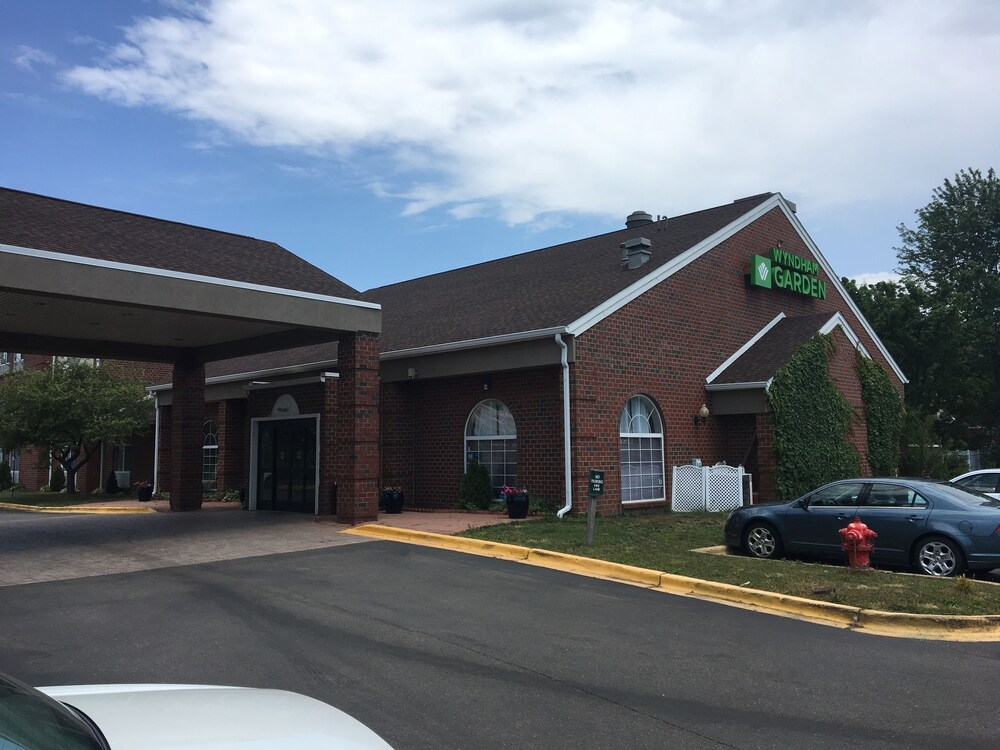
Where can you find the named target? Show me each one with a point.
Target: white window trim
(663, 467)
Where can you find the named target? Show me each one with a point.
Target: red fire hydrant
(857, 543)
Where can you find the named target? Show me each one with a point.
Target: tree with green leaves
(953, 254)
(71, 408)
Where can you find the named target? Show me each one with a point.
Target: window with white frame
(18, 361)
(641, 439)
(4, 363)
(210, 458)
(491, 439)
(121, 457)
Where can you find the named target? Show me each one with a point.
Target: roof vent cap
(637, 219)
(636, 252)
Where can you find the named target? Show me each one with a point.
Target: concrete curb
(902, 625)
(73, 509)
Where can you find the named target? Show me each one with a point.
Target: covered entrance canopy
(78, 280)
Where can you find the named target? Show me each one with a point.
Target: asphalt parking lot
(436, 649)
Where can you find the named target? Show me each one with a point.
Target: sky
(387, 139)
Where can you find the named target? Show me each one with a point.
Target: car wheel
(762, 540)
(938, 556)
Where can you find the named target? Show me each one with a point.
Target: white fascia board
(506, 338)
(756, 385)
(743, 349)
(82, 261)
(321, 378)
(254, 375)
(621, 299)
(838, 320)
(667, 270)
(835, 280)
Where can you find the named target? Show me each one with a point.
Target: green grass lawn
(58, 499)
(663, 541)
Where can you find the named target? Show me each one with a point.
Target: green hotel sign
(784, 270)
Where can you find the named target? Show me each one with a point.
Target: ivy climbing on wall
(883, 415)
(811, 422)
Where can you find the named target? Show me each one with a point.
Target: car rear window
(965, 495)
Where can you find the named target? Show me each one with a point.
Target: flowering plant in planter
(517, 501)
(143, 490)
(392, 499)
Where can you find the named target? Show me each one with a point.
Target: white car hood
(202, 717)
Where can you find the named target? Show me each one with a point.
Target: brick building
(631, 352)
(627, 338)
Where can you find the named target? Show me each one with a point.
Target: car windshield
(30, 720)
(965, 495)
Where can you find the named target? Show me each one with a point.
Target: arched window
(210, 458)
(491, 439)
(641, 438)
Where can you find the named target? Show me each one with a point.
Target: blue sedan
(938, 528)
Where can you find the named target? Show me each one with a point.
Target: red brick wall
(665, 343)
(430, 464)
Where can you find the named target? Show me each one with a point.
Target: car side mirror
(802, 502)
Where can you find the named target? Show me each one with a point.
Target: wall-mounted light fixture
(411, 372)
(486, 382)
(702, 416)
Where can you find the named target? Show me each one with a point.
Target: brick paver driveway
(42, 547)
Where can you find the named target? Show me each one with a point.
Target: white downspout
(567, 443)
(156, 446)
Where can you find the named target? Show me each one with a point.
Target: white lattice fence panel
(688, 488)
(725, 487)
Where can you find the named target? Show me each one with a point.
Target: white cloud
(529, 108)
(27, 58)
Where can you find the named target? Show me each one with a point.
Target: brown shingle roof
(759, 363)
(42, 223)
(546, 288)
(541, 289)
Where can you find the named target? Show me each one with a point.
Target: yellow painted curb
(444, 541)
(591, 567)
(896, 624)
(74, 509)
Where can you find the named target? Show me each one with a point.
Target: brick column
(186, 436)
(765, 483)
(232, 421)
(357, 428)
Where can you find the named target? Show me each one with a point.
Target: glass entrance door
(286, 465)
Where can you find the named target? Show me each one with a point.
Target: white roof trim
(835, 281)
(742, 350)
(82, 261)
(758, 384)
(321, 378)
(838, 320)
(667, 270)
(506, 338)
(621, 299)
(290, 370)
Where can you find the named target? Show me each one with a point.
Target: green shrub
(475, 491)
(5, 476)
(883, 416)
(58, 479)
(812, 422)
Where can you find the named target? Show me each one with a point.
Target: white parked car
(986, 481)
(171, 717)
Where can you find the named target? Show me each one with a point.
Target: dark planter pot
(392, 502)
(145, 494)
(517, 506)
